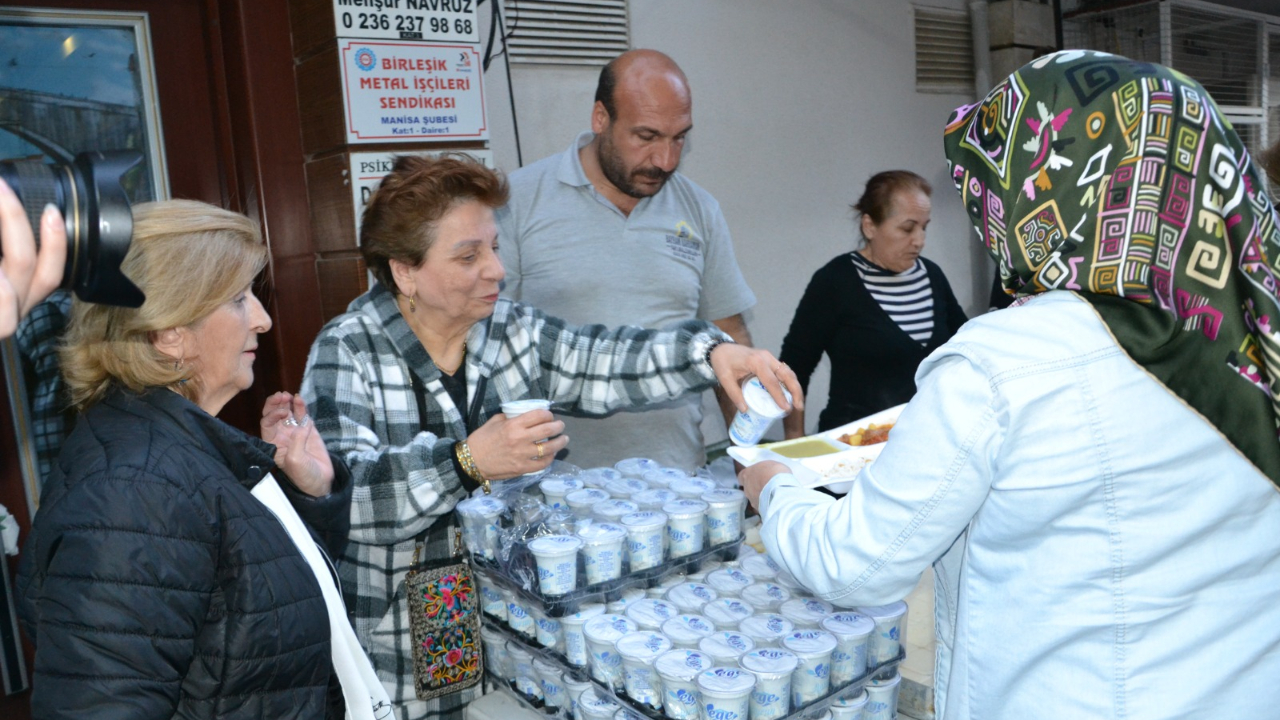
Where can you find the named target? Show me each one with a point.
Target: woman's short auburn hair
(400, 219)
(877, 199)
(188, 258)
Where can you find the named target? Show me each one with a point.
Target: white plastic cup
(594, 707)
(613, 510)
(758, 566)
(890, 621)
(728, 582)
(602, 551)
(748, 427)
(773, 669)
(553, 692)
(686, 631)
(691, 488)
(724, 515)
(597, 477)
(573, 689)
(639, 650)
(516, 408)
(690, 597)
(548, 629)
(727, 612)
(557, 558)
(525, 677)
(555, 488)
(581, 501)
(766, 629)
(659, 591)
(635, 467)
(575, 643)
(624, 488)
(518, 616)
(650, 614)
(679, 670)
(653, 499)
(882, 698)
(725, 647)
(663, 477)
(481, 517)
(602, 632)
(812, 677)
(625, 599)
(849, 708)
(495, 651)
(646, 536)
(805, 613)
(788, 581)
(852, 632)
(686, 526)
(726, 693)
(765, 596)
(492, 602)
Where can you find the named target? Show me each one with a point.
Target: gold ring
(539, 444)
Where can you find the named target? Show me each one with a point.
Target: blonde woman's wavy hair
(189, 258)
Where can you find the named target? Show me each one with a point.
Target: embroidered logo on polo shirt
(684, 244)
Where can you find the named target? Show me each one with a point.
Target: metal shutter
(944, 51)
(566, 32)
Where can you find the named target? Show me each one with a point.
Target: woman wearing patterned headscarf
(1095, 469)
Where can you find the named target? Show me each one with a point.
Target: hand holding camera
(27, 276)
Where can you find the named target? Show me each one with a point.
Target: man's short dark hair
(605, 89)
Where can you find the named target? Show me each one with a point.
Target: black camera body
(92, 200)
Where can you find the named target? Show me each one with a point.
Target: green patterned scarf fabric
(1121, 181)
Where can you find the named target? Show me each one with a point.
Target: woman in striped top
(876, 312)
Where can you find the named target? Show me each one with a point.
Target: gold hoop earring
(413, 306)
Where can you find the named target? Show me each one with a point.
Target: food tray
(808, 711)
(525, 701)
(609, 591)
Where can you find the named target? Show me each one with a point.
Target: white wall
(796, 104)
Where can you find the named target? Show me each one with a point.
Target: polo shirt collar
(571, 172)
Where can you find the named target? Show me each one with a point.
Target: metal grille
(1273, 92)
(1132, 31)
(1219, 50)
(944, 51)
(566, 32)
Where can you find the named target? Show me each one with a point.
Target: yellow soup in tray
(804, 448)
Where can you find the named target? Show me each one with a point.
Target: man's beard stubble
(615, 171)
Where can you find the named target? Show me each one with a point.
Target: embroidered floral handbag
(444, 625)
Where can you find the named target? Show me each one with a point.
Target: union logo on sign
(365, 59)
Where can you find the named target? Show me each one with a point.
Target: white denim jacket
(1111, 556)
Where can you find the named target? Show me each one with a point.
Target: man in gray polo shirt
(608, 232)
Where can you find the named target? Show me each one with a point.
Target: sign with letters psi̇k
(368, 169)
(434, 20)
(396, 92)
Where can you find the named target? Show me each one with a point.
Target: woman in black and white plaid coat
(391, 381)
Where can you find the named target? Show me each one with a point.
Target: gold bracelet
(468, 463)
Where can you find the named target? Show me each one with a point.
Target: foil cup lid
(591, 702)
(602, 533)
(650, 613)
(806, 609)
(682, 664)
(654, 498)
(483, 506)
(644, 520)
(644, 645)
(728, 580)
(884, 612)
(560, 485)
(597, 477)
(810, 643)
(765, 594)
(725, 644)
(625, 487)
(635, 467)
(687, 629)
(691, 594)
(685, 508)
(770, 661)
(554, 545)
(726, 682)
(614, 508)
(848, 624)
(585, 613)
(766, 625)
(759, 567)
(722, 497)
(663, 477)
(586, 496)
(607, 628)
(692, 487)
(726, 612)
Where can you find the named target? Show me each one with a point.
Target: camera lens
(89, 194)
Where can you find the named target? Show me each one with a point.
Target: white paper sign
(437, 20)
(368, 169)
(398, 92)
